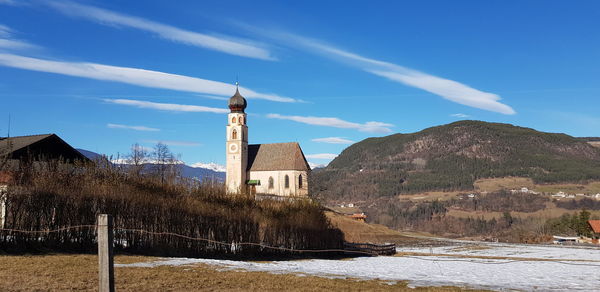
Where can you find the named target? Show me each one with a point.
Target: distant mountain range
(451, 157)
(199, 171)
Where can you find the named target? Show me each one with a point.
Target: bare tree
(166, 163)
(137, 158)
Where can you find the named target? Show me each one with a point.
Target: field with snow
(459, 263)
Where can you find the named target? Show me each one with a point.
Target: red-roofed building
(359, 217)
(595, 225)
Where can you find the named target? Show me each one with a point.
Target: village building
(37, 148)
(30, 149)
(361, 217)
(595, 226)
(278, 169)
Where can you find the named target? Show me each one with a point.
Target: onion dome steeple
(237, 103)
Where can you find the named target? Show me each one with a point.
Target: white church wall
(279, 188)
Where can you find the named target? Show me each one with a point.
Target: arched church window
(300, 181)
(233, 120)
(242, 120)
(271, 182)
(287, 182)
(234, 134)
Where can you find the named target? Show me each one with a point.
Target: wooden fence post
(106, 272)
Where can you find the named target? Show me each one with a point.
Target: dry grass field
(355, 231)
(428, 196)
(551, 211)
(507, 183)
(79, 273)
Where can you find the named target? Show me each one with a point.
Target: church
(277, 169)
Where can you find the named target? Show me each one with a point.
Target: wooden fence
(370, 248)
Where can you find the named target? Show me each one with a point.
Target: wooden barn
(38, 147)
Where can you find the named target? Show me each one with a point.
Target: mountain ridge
(196, 171)
(451, 157)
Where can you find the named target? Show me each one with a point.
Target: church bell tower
(237, 145)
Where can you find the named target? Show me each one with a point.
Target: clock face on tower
(233, 148)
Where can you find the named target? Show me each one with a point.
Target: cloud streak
(106, 17)
(136, 128)
(167, 106)
(134, 76)
(462, 116)
(333, 140)
(445, 88)
(327, 156)
(371, 127)
(9, 2)
(8, 42)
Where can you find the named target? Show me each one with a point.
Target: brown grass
(427, 196)
(507, 183)
(551, 211)
(79, 273)
(355, 231)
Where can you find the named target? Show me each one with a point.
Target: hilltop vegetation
(451, 158)
(54, 196)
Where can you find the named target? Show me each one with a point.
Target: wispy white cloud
(137, 128)
(5, 31)
(213, 97)
(372, 127)
(173, 143)
(327, 156)
(333, 140)
(229, 45)
(459, 115)
(446, 88)
(8, 42)
(167, 106)
(134, 76)
(10, 2)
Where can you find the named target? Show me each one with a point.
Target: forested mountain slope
(451, 157)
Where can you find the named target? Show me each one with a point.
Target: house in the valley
(595, 225)
(361, 217)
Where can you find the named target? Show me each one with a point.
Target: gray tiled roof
(276, 156)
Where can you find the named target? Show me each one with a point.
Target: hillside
(452, 157)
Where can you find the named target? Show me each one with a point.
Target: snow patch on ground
(571, 268)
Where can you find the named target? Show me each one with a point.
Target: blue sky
(104, 75)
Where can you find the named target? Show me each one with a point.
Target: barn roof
(13, 144)
(39, 146)
(276, 156)
(595, 224)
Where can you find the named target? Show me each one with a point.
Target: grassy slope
(79, 272)
(355, 231)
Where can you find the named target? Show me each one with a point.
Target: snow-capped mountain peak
(212, 166)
